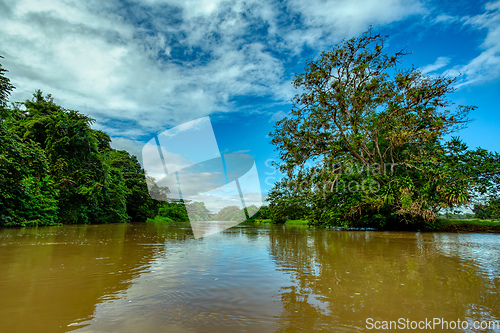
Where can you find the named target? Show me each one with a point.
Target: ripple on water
(158, 278)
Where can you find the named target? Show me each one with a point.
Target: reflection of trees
(54, 276)
(343, 278)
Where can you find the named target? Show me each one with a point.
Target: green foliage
(176, 211)
(363, 146)
(286, 202)
(139, 204)
(27, 196)
(482, 211)
(297, 222)
(467, 225)
(26, 193)
(56, 169)
(89, 188)
(488, 210)
(159, 218)
(263, 213)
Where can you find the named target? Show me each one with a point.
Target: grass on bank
(468, 225)
(289, 222)
(159, 218)
(445, 225)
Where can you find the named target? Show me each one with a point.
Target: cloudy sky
(141, 66)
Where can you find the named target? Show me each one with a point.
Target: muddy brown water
(146, 277)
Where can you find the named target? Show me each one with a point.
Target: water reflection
(222, 283)
(342, 278)
(157, 277)
(52, 277)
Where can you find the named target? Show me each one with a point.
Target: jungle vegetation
(370, 144)
(55, 169)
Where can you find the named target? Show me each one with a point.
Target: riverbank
(289, 222)
(469, 225)
(441, 225)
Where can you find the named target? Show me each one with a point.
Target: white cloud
(439, 63)
(192, 8)
(344, 18)
(444, 18)
(157, 63)
(486, 66)
(277, 116)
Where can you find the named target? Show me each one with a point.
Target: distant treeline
(176, 211)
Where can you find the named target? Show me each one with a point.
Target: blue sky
(141, 66)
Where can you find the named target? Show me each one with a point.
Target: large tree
(376, 129)
(54, 168)
(26, 197)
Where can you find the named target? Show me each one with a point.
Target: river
(154, 277)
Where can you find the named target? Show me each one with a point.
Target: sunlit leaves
(357, 107)
(56, 169)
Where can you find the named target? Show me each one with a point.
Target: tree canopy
(56, 169)
(363, 144)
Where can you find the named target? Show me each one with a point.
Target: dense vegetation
(489, 209)
(364, 144)
(56, 169)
